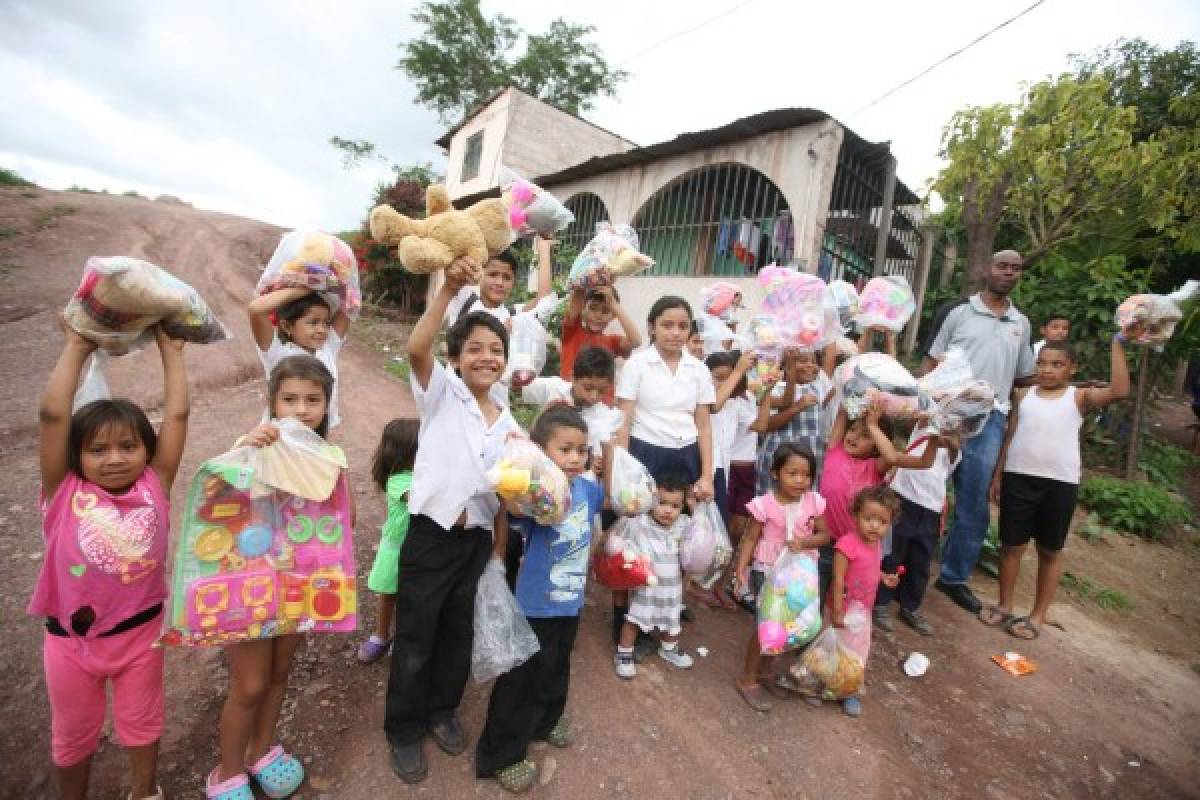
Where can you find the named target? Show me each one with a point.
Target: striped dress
(658, 607)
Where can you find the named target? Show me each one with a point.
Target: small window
(470, 166)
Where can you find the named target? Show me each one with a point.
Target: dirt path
(1114, 711)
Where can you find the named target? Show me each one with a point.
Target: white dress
(659, 606)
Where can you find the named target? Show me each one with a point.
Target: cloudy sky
(230, 104)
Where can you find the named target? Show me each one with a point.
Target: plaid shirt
(804, 428)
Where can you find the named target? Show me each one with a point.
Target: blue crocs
(277, 773)
(236, 788)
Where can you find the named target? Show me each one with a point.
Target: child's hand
(462, 272)
(598, 463)
(166, 342)
(875, 410)
(890, 580)
(72, 340)
(805, 401)
(703, 490)
(262, 436)
(796, 544)
(743, 580)
(747, 361)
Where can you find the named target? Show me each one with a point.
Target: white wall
(493, 121)
(639, 292)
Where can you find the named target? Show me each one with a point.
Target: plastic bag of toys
(864, 378)
(789, 607)
(527, 477)
(531, 209)
(765, 339)
(885, 302)
(720, 299)
(618, 565)
(503, 639)
(1148, 319)
(603, 422)
(612, 253)
(706, 550)
(527, 350)
(265, 545)
(842, 298)
(960, 404)
(308, 259)
(632, 488)
(835, 663)
(797, 302)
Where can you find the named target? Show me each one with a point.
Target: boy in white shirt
(496, 283)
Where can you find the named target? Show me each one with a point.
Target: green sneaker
(560, 735)
(518, 777)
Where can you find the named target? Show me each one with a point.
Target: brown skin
(871, 522)
(665, 512)
(308, 332)
(863, 438)
(1056, 330)
(597, 312)
(799, 368)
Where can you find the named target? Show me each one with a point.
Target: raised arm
(889, 456)
(633, 339)
(574, 306)
(725, 390)
(1118, 384)
(176, 406)
(54, 411)
(260, 308)
(424, 333)
(838, 431)
(545, 272)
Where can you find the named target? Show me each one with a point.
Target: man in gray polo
(995, 337)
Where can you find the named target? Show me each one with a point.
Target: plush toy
(431, 244)
(315, 260)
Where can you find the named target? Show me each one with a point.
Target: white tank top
(1046, 443)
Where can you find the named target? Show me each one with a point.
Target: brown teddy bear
(431, 244)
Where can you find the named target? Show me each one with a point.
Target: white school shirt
(455, 306)
(926, 487)
(734, 418)
(745, 441)
(664, 412)
(602, 421)
(455, 450)
(327, 354)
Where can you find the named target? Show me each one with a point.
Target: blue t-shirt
(554, 570)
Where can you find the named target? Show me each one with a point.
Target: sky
(230, 105)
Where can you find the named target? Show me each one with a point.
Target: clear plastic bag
(1152, 318)
(765, 339)
(121, 298)
(603, 422)
(309, 259)
(632, 489)
(531, 209)
(503, 639)
(618, 564)
(706, 549)
(885, 302)
(834, 665)
(797, 302)
(842, 298)
(526, 476)
(527, 349)
(960, 404)
(720, 299)
(94, 385)
(870, 375)
(714, 332)
(789, 603)
(612, 253)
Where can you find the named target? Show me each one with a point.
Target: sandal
(235, 788)
(518, 777)
(372, 649)
(995, 617)
(560, 734)
(755, 697)
(1022, 624)
(277, 773)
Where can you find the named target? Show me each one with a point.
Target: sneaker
(373, 649)
(676, 657)
(917, 621)
(961, 594)
(882, 618)
(408, 762)
(852, 707)
(625, 667)
(560, 735)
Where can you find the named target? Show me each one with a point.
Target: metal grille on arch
(588, 209)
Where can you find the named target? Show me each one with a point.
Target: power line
(685, 32)
(938, 63)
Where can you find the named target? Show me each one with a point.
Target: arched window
(588, 209)
(727, 219)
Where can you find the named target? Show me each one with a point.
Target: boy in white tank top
(1037, 477)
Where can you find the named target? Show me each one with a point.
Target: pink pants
(77, 672)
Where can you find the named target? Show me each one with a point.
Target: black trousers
(435, 612)
(528, 701)
(514, 551)
(914, 538)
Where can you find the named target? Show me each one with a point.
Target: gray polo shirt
(997, 347)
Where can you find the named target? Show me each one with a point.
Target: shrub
(11, 178)
(1137, 507)
(1165, 463)
(1085, 589)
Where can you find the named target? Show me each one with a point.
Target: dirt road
(1111, 713)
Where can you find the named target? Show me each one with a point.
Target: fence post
(885, 216)
(921, 280)
(949, 257)
(1139, 405)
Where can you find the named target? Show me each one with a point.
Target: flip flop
(996, 617)
(1022, 623)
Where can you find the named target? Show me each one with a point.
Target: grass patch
(399, 367)
(1136, 507)
(10, 178)
(50, 216)
(1093, 531)
(1086, 590)
(85, 190)
(7, 232)
(132, 193)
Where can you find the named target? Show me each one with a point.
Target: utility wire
(938, 63)
(685, 32)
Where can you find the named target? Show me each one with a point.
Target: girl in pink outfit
(106, 476)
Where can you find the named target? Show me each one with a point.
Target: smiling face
(496, 282)
(873, 521)
(794, 478)
(802, 367)
(481, 362)
(668, 506)
(567, 447)
(597, 313)
(310, 329)
(114, 458)
(1054, 368)
(300, 398)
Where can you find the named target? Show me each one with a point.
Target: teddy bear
(431, 244)
(322, 262)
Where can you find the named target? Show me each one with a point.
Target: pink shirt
(103, 550)
(841, 478)
(862, 573)
(773, 516)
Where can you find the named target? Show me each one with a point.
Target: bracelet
(1120, 337)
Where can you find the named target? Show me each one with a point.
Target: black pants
(514, 551)
(528, 700)
(435, 612)
(825, 571)
(914, 538)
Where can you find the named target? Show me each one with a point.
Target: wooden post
(1135, 426)
(924, 262)
(885, 216)
(949, 256)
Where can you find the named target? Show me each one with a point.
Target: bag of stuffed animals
(706, 550)
(531, 209)
(797, 302)
(619, 565)
(527, 477)
(503, 639)
(265, 545)
(527, 349)
(885, 302)
(720, 299)
(842, 298)
(960, 403)
(632, 490)
(612, 253)
(1148, 319)
(766, 340)
(306, 259)
(789, 607)
(834, 665)
(870, 375)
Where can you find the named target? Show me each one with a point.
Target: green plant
(399, 367)
(1093, 530)
(1137, 507)
(523, 413)
(7, 232)
(989, 553)
(1085, 589)
(50, 216)
(132, 193)
(10, 178)
(74, 187)
(1165, 463)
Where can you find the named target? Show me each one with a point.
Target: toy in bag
(1148, 319)
(764, 338)
(714, 332)
(870, 375)
(834, 665)
(526, 476)
(503, 639)
(842, 298)
(797, 302)
(720, 299)
(308, 259)
(531, 209)
(265, 546)
(618, 564)
(789, 608)
(885, 302)
(706, 550)
(960, 403)
(527, 349)
(603, 422)
(612, 253)
(632, 488)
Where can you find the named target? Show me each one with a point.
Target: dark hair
(507, 256)
(1064, 348)
(787, 450)
(397, 450)
(456, 337)
(553, 418)
(727, 358)
(290, 312)
(886, 426)
(99, 414)
(1051, 317)
(594, 362)
(672, 480)
(596, 294)
(694, 329)
(883, 495)
(664, 304)
(307, 368)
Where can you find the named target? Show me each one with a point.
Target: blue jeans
(971, 482)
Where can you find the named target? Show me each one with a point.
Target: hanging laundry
(781, 238)
(725, 237)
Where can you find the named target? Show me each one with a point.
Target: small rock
(549, 765)
(1014, 718)
(702, 652)
(319, 783)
